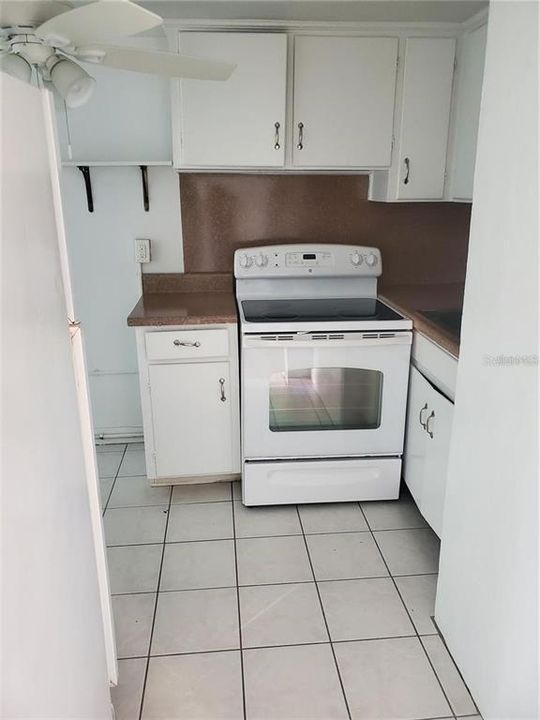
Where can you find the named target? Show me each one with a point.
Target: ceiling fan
(47, 34)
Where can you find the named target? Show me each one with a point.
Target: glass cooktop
(320, 309)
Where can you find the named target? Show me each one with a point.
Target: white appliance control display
(309, 258)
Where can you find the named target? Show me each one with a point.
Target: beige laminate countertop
(190, 299)
(411, 299)
(208, 298)
(183, 309)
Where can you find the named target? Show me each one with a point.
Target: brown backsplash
(420, 242)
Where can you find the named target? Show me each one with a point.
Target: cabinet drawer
(186, 344)
(435, 363)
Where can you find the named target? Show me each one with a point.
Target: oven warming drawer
(321, 481)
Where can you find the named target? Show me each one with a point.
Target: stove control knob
(245, 261)
(356, 258)
(372, 260)
(261, 260)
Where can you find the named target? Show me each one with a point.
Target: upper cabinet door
(344, 91)
(425, 117)
(239, 122)
(127, 119)
(470, 79)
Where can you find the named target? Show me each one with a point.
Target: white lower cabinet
(427, 444)
(190, 400)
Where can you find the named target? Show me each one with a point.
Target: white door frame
(83, 397)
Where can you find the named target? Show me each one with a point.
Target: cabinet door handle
(428, 429)
(276, 136)
(300, 144)
(222, 389)
(407, 171)
(422, 423)
(178, 343)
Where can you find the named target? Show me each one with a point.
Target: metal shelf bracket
(88, 186)
(144, 178)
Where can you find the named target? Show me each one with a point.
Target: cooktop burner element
(318, 309)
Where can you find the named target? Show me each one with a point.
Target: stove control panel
(304, 260)
(308, 259)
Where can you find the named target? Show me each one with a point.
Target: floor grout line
(106, 505)
(409, 616)
(239, 611)
(345, 699)
(270, 647)
(155, 608)
(270, 584)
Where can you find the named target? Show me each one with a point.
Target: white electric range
(324, 375)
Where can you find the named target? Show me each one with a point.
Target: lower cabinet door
(192, 418)
(415, 434)
(438, 433)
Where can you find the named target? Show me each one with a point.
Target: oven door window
(329, 398)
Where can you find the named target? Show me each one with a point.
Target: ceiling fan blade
(156, 62)
(101, 20)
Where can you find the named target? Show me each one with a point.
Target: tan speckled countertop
(410, 299)
(185, 299)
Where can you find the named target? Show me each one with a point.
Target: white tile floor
(281, 613)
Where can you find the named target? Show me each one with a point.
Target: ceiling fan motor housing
(31, 48)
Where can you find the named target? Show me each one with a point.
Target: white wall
(487, 603)
(53, 655)
(106, 278)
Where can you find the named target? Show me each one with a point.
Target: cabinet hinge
(393, 142)
(397, 61)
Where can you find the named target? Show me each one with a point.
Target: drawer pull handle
(422, 423)
(300, 144)
(222, 389)
(408, 169)
(428, 429)
(179, 343)
(276, 136)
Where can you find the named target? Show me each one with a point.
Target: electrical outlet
(142, 250)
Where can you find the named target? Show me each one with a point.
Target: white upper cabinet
(425, 118)
(239, 122)
(344, 90)
(127, 119)
(469, 95)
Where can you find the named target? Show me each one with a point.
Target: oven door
(312, 395)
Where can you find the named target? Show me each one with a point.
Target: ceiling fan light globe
(73, 83)
(16, 66)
